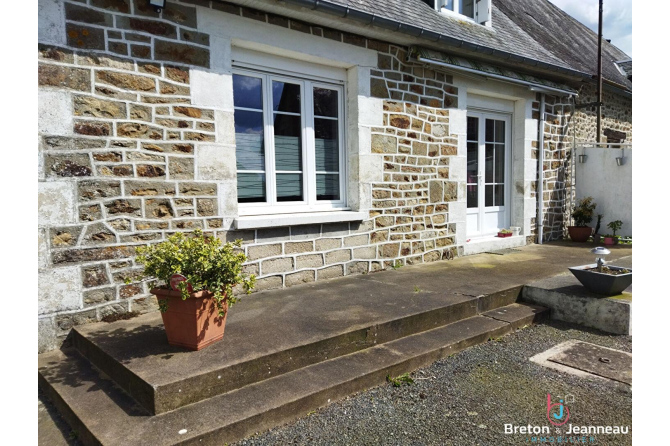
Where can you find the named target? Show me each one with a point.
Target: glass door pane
(473, 162)
(495, 162)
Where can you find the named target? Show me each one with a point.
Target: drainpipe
(540, 175)
(573, 157)
(599, 108)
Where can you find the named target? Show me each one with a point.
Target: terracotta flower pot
(193, 323)
(580, 233)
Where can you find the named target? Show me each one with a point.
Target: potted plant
(600, 279)
(583, 215)
(612, 239)
(201, 272)
(596, 232)
(504, 233)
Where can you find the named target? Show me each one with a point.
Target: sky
(617, 19)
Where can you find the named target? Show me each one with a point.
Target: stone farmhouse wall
(127, 159)
(560, 130)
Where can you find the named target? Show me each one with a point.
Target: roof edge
(414, 31)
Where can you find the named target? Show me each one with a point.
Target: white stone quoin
(56, 203)
(59, 289)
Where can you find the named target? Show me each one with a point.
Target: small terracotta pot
(193, 323)
(609, 240)
(580, 233)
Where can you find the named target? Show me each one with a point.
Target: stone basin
(602, 283)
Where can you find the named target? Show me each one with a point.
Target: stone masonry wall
(118, 138)
(559, 129)
(126, 159)
(617, 114)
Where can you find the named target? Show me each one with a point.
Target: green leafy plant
(417, 289)
(400, 380)
(615, 226)
(206, 262)
(583, 213)
(397, 264)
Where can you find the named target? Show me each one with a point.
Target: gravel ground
(466, 399)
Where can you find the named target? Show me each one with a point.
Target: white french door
(488, 173)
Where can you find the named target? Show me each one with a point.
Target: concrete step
(294, 333)
(102, 413)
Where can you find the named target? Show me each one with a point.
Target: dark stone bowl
(601, 283)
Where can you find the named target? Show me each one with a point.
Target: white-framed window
(477, 10)
(289, 133)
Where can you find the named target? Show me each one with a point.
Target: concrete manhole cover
(585, 359)
(598, 360)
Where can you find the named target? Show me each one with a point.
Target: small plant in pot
(201, 272)
(583, 215)
(612, 239)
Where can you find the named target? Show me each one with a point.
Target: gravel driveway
(467, 399)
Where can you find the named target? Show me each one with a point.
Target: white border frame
(483, 114)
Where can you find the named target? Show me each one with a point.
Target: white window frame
(481, 10)
(309, 204)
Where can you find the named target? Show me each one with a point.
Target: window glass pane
(473, 128)
(326, 145)
(250, 188)
(499, 195)
(285, 97)
(500, 163)
(449, 4)
(468, 8)
(472, 162)
(247, 92)
(488, 166)
(327, 187)
(288, 144)
(473, 199)
(289, 187)
(500, 131)
(249, 140)
(488, 192)
(325, 102)
(490, 134)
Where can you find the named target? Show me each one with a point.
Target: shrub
(583, 213)
(207, 264)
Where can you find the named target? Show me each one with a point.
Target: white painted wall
(610, 185)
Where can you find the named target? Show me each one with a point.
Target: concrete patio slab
(292, 350)
(569, 301)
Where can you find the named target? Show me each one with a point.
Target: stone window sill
(270, 221)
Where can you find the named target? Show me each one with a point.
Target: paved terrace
(271, 330)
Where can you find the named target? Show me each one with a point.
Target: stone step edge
(161, 399)
(280, 412)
